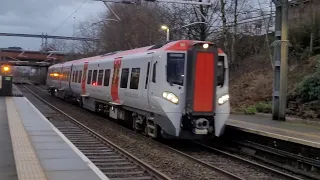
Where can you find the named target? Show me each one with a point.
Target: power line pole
(280, 60)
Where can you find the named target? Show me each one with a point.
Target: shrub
(250, 110)
(264, 107)
(309, 88)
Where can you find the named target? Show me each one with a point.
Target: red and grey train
(175, 90)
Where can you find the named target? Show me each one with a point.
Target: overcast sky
(42, 16)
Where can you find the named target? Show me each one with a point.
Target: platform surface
(7, 163)
(284, 130)
(40, 150)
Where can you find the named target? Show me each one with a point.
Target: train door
(152, 89)
(84, 77)
(115, 80)
(61, 77)
(70, 77)
(147, 81)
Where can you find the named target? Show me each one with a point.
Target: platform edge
(27, 163)
(276, 136)
(94, 168)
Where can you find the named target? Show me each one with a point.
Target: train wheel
(138, 121)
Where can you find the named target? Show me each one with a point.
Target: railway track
(236, 165)
(306, 166)
(112, 160)
(227, 164)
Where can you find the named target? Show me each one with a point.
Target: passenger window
(100, 77)
(147, 78)
(89, 77)
(76, 80)
(154, 72)
(124, 78)
(134, 81)
(106, 77)
(80, 76)
(94, 77)
(220, 71)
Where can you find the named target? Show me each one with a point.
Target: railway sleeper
(106, 157)
(141, 173)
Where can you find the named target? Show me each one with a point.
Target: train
(175, 90)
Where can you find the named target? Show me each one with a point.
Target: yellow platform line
(27, 164)
(277, 134)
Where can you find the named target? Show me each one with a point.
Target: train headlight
(205, 46)
(170, 97)
(223, 99)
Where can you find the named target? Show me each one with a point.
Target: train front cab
(207, 99)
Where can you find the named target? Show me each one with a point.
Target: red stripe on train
(115, 80)
(204, 83)
(84, 78)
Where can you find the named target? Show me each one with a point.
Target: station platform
(33, 149)
(290, 131)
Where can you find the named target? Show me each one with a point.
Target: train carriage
(175, 90)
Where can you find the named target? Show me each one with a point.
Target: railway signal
(5, 69)
(5, 81)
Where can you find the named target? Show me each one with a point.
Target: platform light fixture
(166, 28)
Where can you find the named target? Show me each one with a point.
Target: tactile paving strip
(27, 163)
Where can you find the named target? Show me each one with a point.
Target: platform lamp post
(168, 31)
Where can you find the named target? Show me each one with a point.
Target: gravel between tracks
(159, 157)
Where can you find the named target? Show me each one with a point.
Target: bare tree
(224, 23)
(137, 27)
(267, 24)
(201, 21)
(87, 29)
(312, 25)
(235, 25)
(60, 45)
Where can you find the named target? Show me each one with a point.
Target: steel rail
(214, 168)
(248, 161)
(207, 165)
(134, 159)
